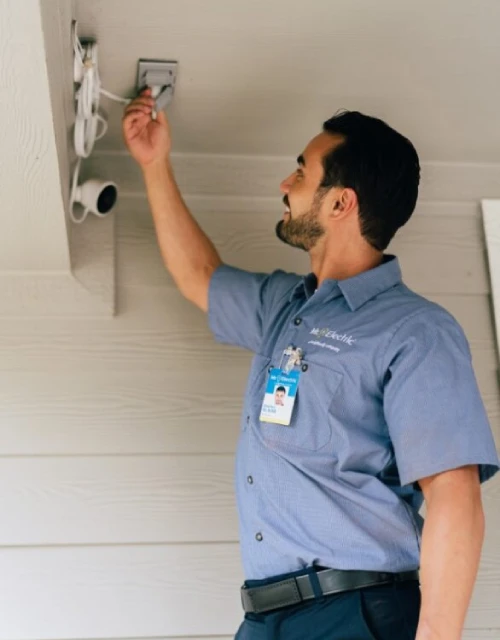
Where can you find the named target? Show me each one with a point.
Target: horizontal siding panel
(237, 175)
(438, 253)
(248, 243)
(468, 634)
(231, 637)
(151, 306)
(180, 410)
(135, 499)
(141, 351)
(184, 411)
(472, 312)
(162, 308)
(108, 350)
(139, 382)
(273, 205)
(145, 591)
(112, 592)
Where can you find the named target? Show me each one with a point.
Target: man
(279, 396)
(386, 412)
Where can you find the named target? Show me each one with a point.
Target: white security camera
(95, 196)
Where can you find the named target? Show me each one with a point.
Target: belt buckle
(247, 600)
(255, 605)
(246, 597)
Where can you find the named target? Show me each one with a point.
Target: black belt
(294, 590)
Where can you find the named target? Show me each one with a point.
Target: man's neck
(344, 264)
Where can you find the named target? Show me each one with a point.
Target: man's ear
(344, 202)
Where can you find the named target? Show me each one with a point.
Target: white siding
(29, 168)
(117, 435)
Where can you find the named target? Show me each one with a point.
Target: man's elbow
(196, 288)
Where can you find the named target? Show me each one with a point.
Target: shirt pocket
(310, 428)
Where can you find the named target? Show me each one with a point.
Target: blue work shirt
(387, 396)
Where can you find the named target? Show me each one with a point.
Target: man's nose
(286, 184)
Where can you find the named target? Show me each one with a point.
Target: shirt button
(258, 537)
(250, 480)
(248, 419)
(297, 321)
(305, 367)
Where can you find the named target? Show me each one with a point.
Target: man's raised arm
(187, 252)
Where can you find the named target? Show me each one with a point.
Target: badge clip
(294, 358)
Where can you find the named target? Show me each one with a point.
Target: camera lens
(107, 199)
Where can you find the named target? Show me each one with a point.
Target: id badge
(279, 399)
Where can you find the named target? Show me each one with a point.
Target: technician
(384, 410)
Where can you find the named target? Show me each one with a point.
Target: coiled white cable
(88, 115)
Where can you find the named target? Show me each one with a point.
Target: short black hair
(280, 389)
(381, 166)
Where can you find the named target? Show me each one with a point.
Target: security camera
(95, 196)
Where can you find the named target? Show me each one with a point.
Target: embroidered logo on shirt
(329, 333)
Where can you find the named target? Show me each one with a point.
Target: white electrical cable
(88, 116)
(74, 187)
(112, 96)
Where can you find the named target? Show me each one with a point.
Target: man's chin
(281, 234)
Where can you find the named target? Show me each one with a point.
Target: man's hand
(148, 140)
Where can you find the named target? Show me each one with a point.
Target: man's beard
(305, 231)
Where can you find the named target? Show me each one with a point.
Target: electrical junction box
(161, 76)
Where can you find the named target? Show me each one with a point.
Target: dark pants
(384, 612)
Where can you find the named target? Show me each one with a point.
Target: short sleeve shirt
(387, 396)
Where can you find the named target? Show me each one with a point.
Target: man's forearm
(187, 252)
(451, 549)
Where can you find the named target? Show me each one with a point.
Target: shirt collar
(358, 289)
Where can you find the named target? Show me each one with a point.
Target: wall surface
(117, 435)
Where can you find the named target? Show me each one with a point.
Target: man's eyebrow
(301, 160)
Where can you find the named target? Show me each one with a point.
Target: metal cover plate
(164, 70)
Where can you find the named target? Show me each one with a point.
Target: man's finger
(139, 109)
(144, 106)
(146, 111)
(145, 100)
(136, 120)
